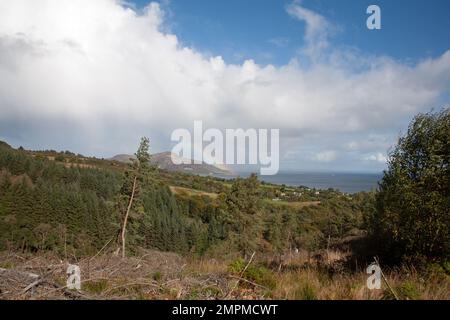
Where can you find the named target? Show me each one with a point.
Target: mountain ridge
(163, 160)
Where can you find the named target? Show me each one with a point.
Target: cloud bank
(94, 76)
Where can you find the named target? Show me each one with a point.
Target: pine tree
(243, 203)
(135, 177)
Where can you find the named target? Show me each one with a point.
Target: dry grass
(158, 275)
(192, 192)
(323, 277)
(150, 275)
(311, 283)
(294, 204)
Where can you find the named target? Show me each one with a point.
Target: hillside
(187, 237)
(164, 161)
(73, 204)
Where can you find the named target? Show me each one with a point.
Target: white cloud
(379, 157)
(317, 28)
(95, 75)
(326, 156)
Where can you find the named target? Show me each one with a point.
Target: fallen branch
(32, 285)
(40, 280)
(101, 249)
(248, 281)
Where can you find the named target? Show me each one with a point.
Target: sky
(93, 76)
(262, 31)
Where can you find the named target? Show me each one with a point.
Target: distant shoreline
(344, 182)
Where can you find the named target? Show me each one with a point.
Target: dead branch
(125, 220)
(386, 281)
(241, 275)
(248, 281)
(32, 285)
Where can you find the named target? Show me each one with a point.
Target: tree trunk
(125, 220)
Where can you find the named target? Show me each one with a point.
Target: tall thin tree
(137, 172)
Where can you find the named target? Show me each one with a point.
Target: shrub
(411, 222)
(254, 273)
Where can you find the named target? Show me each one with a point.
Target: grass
(192, 192)
(6, 265)
(96, 286)
(156, 275)
(294, 204)
(306, 292)
(302, 281)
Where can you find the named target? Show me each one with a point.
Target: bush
(412, 220)
(254, 273)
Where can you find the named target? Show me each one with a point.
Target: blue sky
(263, 31)
(95, 76)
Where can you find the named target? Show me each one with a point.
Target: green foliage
(45, 205)
(257, 274)
(95, 286)
(412, 219)
(409, 291)
(60, 158)
(157, 276)
(406, 290)
(243, 205)
(4, 145)
(237, 266)
(305, 292)
(77, 205)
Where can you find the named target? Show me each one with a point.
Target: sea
(344, 182)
